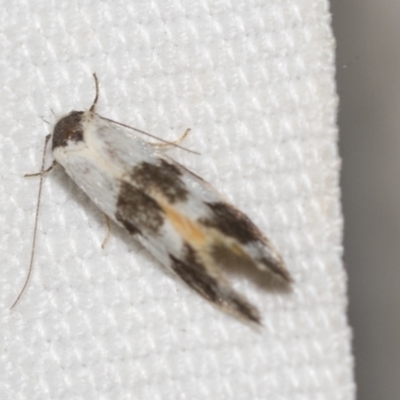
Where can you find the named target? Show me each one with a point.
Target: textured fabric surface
(255, 82)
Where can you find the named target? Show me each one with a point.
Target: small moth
(176, 215)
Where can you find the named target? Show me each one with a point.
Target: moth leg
(175, 142)
(214, 288)
(42, 172)
(105, 241)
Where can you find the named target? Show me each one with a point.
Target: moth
(176, 215)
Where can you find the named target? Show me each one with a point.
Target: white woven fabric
(255, 82)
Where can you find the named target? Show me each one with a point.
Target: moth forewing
(176, 215)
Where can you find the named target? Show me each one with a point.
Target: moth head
(69, 129)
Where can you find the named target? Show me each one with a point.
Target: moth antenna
(42, 172)
(150, 135)
(47, 122)
(96, 83)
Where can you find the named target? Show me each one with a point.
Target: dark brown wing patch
(231, 257)
(137, 211)
(164, 178)
(232, 223)
(277, 267)
(213, 289)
